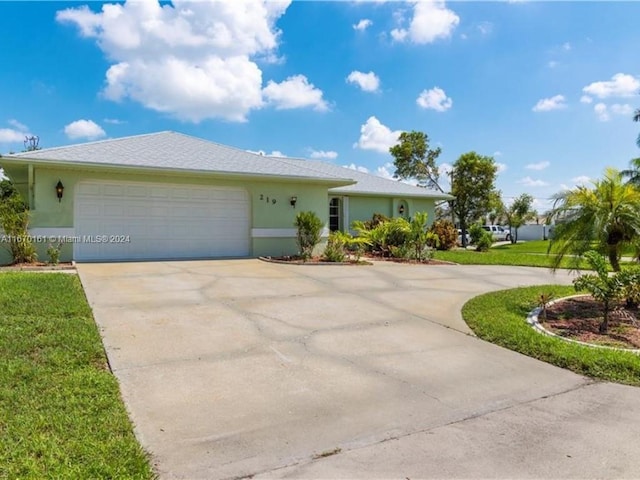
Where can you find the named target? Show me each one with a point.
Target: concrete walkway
(238, 368)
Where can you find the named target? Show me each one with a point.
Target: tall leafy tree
(473, 186)
(606, 216)
(520, 212)
(414, 159)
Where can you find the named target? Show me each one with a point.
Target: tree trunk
(604, 326)
(613, 257)
(463, 232)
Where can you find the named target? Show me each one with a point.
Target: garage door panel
(161, 221)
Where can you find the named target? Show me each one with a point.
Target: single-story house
(168, 196)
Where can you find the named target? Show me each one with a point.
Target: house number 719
(272, 201)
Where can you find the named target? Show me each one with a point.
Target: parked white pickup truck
(500, 234)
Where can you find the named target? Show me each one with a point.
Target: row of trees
(606, 215)
(472, 179)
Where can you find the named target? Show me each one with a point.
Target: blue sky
(547, 88)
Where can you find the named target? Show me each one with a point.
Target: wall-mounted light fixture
(401, 209)
(59, 191)
(293, 201)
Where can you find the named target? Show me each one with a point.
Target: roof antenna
(31, 143)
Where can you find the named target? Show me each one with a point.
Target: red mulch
(579, 318)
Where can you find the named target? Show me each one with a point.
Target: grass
(499, 317)
(61, 415)
(525, 254)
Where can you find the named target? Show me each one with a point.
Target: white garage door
(136, 221)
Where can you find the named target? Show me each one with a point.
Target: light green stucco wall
(48, 212)
(362, 208)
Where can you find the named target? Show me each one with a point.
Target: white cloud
(368, 82)
(330, 154)
(620, 85)
(556, 102)
(530, 182)
(362, 25)
(17, 125)
(485, 28)
(445, 169)
(14, 135)
(294, 92)
(497, 153)
(386, 171)
(376, 136)
(274, 153)
(9, 135)
(501, 167)
(202, 52)
(538, 166)
(602, 112)
(586, 99)
(619, 109)
(434, 99)
(113, 121)
(431, 21)
(84, 129)
(357, 168)
(581, 180)
(566, 46)
(553, 64)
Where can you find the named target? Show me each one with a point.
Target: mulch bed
(578, 318)
(37, 267)
(295, 260)
(410, 261)
(366, 260)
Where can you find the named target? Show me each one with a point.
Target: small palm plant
(603, 288)
(543, 302)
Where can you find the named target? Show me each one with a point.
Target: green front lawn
(530, 246)
(61, 415)
(500, 318)
(526, 254)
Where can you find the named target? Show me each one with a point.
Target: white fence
(533, 232)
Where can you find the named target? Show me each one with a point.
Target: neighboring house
(167, 196)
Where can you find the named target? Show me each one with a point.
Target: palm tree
(605, 217)
(633, 173)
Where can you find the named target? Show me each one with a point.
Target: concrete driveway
(238, 368)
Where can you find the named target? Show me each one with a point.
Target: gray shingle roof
(368, 184)
(176, 151)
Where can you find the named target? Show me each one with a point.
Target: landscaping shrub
(398, 237)
(14, 218)
(475, 233)
(630, 280)
(335, 249)
(309, 231)
(419, 238)
(447, 234)
(392, 233)
(376, 220)
(484, 242)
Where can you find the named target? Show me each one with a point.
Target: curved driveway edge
(234, 368)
